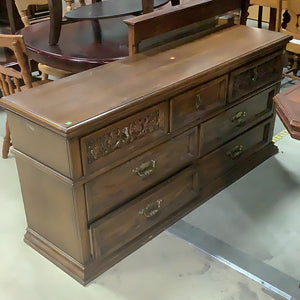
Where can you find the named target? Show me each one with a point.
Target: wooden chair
(22, 7)
(173, 18)
(292, 27)
(275, 12)
(12, 80)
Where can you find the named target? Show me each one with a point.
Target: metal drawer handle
(239, 117)
(145, 169)
(151, 209)
(254, 76)
(236, 151)
(199, 102)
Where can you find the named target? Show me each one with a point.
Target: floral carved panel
(119, 137)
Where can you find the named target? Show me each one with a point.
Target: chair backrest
(277, 4)
(293, 26)
(23, 7)
(173, 18)
(11, 80)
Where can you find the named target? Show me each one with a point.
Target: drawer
(197, 102)
(224, 158)
(120, 140)
(131, 220)
(233, 121)
(256, 75)
(113, 188)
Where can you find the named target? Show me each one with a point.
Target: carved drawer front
(258, 74)
(229, 155)
(232, 122)
(120, 140)
(131, 220)
(113, 188)
(197, 102)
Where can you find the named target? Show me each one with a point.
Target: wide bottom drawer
(230, 154)
(128, 222)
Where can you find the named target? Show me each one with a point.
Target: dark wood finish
(111, 106)
(13, 16)
(249, 78)
(233, 121)
(79, 48)
(143, 213)
(113, 9)
(225, 157)
(162, 21)
(101, 86)
(3, 12)
(121, 138)
(288, 109)
(140, 172)
(197, 102)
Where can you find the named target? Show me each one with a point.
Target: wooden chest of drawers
(110, 157)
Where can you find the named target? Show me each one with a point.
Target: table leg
(259, 18)
(13, 16)
(272, 24)
(55, 11)
(96, 29)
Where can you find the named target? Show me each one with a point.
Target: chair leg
(259, 19)
(6, 142)
(295, 64)
(44, 76)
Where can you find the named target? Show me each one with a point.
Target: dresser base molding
(85, 274)
(55, 255)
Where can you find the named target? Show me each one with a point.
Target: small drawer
(232, 122)
(197, 102)
(110, 190)
(120, 140)
(254, 76)
(224, 158)
(131, 220)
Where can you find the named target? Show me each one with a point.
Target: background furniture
(276, 7)
(115, 8)
(23, 9)
(288, 109)
(3, 12)
(293, 28)
(156, 135)
(12, 80)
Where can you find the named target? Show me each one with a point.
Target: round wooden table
(110, 9)
(81, 46)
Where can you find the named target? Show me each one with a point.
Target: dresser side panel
(51, 207)
(40, 143)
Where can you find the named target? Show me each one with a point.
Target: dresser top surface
(84, 98)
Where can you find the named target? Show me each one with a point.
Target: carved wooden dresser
(110, 157)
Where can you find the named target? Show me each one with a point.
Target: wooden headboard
(172, 18)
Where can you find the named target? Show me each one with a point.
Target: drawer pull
(145, 169)
(199, 102)
(236, 151)
(239, 118)
(151, 209)
(254, 76)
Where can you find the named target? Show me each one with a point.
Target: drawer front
(232, 122)
(229, 155)
(251, 77)
(197, 102)
(119, 140)
(111, 189)
(131, 220)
